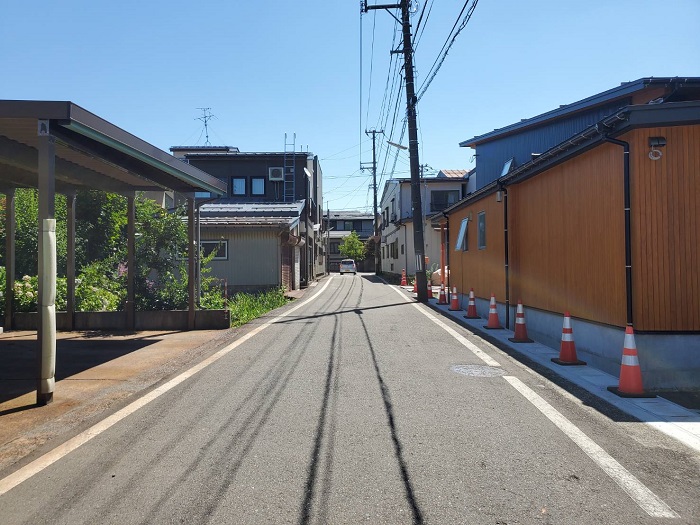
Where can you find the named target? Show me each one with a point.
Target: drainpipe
(504, 192)
(628, 227)
(446, 240)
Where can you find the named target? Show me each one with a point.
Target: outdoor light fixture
(654, 144)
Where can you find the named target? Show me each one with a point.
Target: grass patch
(245, 307)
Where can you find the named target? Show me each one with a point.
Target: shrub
(246, 307)
(100, 288)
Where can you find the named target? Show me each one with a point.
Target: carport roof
(91, 153)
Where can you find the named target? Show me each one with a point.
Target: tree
(352, 247)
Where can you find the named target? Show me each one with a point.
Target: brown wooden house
(604, 224)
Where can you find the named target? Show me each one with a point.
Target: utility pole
(377, 262)
(411, 101)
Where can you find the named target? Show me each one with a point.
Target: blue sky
(317, 69)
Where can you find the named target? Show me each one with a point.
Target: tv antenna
(206, 117)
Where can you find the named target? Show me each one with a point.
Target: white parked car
(348, 266)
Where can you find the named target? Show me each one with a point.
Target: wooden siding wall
(666, 229)
(482, 270)
(254, 257)
(567, 238)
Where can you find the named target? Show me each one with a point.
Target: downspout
(628, 226)
(505, 254)
(446, 240)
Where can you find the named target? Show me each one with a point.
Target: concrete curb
(674, 420)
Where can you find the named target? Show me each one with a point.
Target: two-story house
(593, 208)
(267, 230)
(437, 193)
(338, 225)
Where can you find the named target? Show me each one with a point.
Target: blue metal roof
(621, 92)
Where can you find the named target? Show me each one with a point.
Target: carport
(60, 147)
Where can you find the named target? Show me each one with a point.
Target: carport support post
(130, 261)
(191, 254)
(9, 255)
(46, 333)
(70, 260)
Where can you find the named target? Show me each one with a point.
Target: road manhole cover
(478, 370)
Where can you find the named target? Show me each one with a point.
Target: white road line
(642, 496)
(66, 448)
(478, 352)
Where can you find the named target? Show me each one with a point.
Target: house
(594, 209)
(267, 229)
(437, 193)
(339, 224)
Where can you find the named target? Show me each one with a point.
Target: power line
(446, 47)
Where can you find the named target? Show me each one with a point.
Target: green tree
(27, 232)
(352, 247)
(100, 228)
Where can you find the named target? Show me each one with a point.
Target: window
(402, 249)
(481, 230)
(347, 227)
(441, 199)
(237, 185)
(219, 247)
(335, 247)
(257, 186)
(462, 243)
(507, 166)
(202, 195)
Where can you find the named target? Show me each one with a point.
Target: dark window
(335, 247)
(441, 199)
(481, 229)
(238, 186)
(257, 186)
(219, 247)
(462, 238)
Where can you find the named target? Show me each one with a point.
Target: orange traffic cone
(630, 372)
(429, 286)
(403, 277)
(471, 307)
(454, 302)
(520, 335)
(567, 350)
(493, 315)
(442, 298)
(415, 285)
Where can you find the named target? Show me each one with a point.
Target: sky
(322, 73)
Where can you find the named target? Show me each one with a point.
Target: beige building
(437, 193)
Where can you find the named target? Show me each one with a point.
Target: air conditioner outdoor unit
(275, 174)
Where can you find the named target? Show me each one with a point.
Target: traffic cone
(403, 277)
(415, 285)
(630, 372)
(471, 307)
(567, 350)
(493, 323)
(520, 335)
(442, 298)
(429, 286)
(454, 303)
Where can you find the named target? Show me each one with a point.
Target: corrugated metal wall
(253, 257)
(666, 229)
(492, 155)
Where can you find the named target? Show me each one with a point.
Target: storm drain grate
(478, 370)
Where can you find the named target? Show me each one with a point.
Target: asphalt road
(358, 405)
